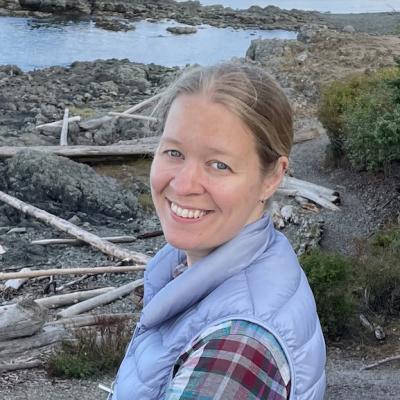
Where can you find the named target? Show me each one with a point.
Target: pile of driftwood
(28, 329)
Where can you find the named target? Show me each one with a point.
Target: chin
(183, 243)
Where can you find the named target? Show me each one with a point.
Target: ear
(274, 178)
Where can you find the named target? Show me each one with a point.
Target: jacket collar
(170, 297)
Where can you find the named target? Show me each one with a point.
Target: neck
(194, 256)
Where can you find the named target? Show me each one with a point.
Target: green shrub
(336, 99)
(388, 241)
(379, 272)
(372, 134)
(330, 279)
(92, 353)
(362, 116)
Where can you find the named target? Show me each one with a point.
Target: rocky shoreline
(88, 89)
(121, 14)
(189, 12)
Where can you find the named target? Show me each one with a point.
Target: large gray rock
(83, 6)
(126, 74)
(58, 184)
(311, 32)
(182, 30)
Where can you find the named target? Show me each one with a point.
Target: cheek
(157, 178)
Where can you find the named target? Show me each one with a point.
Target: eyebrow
(213, 150)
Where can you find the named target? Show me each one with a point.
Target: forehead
(195, 117)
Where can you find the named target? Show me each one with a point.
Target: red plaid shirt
(235, 360)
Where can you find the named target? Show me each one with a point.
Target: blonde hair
(247, 91)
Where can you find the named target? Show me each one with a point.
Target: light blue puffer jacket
(254, 277)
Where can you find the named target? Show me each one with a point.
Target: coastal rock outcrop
(188, 12)
(41, 179)
(88, 89)
(182, 30)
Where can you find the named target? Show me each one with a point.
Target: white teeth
(185, 213)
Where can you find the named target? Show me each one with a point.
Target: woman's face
(206, 178)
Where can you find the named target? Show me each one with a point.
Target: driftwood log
(143, 147)
(48, 336)
(320, 195)
(102, 299)
(21, 319)
(70, 271)
(59, 123)
(143, 104)
(71, 298)
(384, 361)
(80, 321)
(133, 116)
(79, 233)
(111, 239)
(17, 283)
(64, 129)
(20, 364)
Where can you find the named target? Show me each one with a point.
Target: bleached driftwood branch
(66, 226)
(142, 104)
(102, 299)
(71, 271)
(17, 283)
(80, 321)
(142, 147)
(133, 116)
(385, 360)
(111, 239)
(321, 195)
(58, 124)
(71, 298)
(64, 129)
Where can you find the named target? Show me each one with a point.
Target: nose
(188, 179)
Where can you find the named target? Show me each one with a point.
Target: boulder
(311, 32)
(115, 25)
(182, 30)
(60, 186)
(349, 29)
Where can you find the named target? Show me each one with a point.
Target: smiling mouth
(187, 213)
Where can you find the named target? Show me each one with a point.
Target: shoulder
(249, 338)
(237, 359)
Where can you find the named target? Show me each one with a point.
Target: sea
(35, 44)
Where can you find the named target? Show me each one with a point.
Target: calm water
(335, 6)
(38, 44)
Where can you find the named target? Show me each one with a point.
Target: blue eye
(220, 166)
(174, 153)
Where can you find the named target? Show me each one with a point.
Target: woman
(228, 312)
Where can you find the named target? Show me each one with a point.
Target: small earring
(262, 201)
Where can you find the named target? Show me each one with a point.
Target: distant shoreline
(191, 13)
(383, 23)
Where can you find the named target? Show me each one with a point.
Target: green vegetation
(368, 282)
(330, 278)
(92, 353)
(83, 112)
(146, 201)
(380, 272)
(362, 118)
